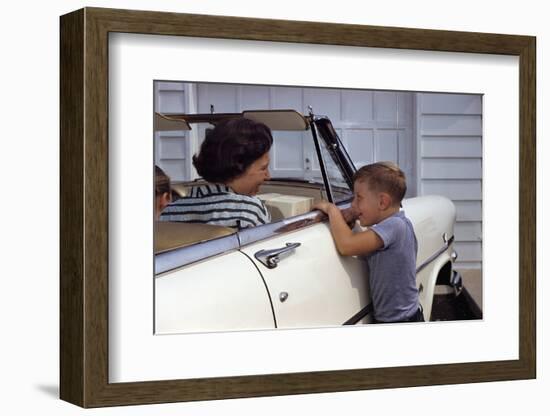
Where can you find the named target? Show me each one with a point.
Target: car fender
(221, 293)
(433, 218)
(426, 280)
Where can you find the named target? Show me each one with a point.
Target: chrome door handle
(270, 258)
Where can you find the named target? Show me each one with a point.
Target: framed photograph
(147, 323)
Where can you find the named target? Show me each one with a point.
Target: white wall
(29, 307)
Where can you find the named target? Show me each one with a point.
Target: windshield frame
(321, 127)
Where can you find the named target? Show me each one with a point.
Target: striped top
(217, 204)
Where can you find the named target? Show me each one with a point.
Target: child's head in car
(163, 191)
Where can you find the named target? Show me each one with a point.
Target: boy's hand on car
(349, 215)
(322, 206)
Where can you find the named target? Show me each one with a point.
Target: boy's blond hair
(384, 177)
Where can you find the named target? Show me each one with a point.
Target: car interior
(283, 199)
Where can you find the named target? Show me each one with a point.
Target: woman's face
(249, 182)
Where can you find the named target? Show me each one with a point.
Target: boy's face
(366, 204)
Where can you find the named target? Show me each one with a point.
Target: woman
(234, 160)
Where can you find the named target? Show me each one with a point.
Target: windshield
(338, 166)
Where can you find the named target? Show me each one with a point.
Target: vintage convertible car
(288, 273)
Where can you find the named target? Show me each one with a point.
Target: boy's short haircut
(384, 177)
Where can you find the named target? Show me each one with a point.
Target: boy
(389, 244)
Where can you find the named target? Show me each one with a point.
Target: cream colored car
(285, 274)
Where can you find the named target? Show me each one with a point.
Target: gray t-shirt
(392, 270)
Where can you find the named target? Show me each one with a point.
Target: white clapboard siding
(457, 190)
(447, 168)
(449, 139)
(455, 146)
(172, 147)
(451, 104)
(468, 231)
(455, 125)
(469, 254)
(468, 210)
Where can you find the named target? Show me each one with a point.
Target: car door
(311, 285)
(209, 286)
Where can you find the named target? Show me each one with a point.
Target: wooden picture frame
(84, 207)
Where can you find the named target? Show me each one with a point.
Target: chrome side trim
(251, 235)
(443, 249)
(180, 257)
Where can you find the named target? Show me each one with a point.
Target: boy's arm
(347, 242)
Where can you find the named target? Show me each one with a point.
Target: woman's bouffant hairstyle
(162, 182)
(230, 148)
(384, 177)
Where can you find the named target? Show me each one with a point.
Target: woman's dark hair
(230, 148)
